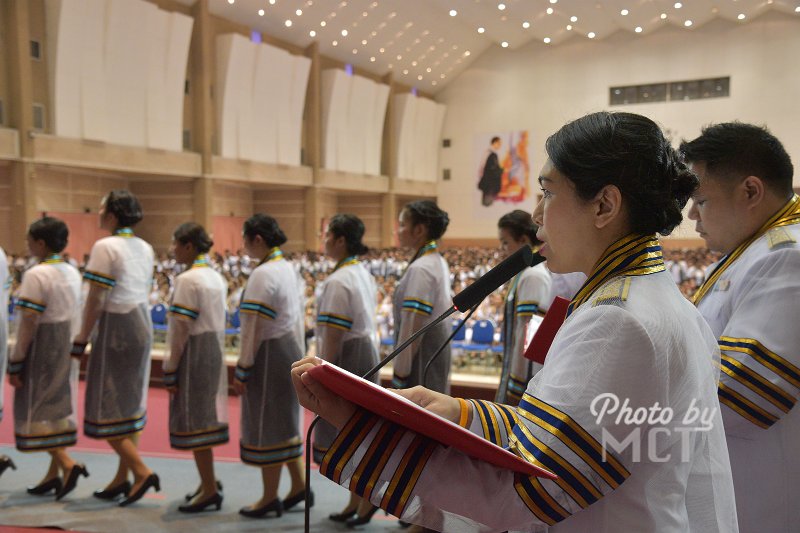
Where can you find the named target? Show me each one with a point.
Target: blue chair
(483, 332)
(158, 314)
(234, 320)
(459, 340)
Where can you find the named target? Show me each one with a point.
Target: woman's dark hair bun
(352, 229)
(265, 226)
(426, 212)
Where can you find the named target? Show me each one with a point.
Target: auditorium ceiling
(426, 43)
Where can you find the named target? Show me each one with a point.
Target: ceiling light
(663, 16)
(405, 71)
(288, 23)
(741, 16)
(260, 12)
(382, 50)
(797, 9)
(569, 27)
(546, 40)
(433, 82)
(501, 6)
(231, 1)
(526, 24)
(323, 23)
(504, 44)
(624, 12)
(590, 35)
(481, 30)
(335, 43)
(687, 23)
(442, 76)
(638, 29)
(344, 33)
(428, 69)
(573, 18)
(272, 2)
(678, 5)
(399, 57)
(453, 12)
(372, 59)
(364, 14)
(419, 77)
(549, 10)
(299, 12)
(466, 54)
(312, 33)
(413, 63)
(553, 1)
(363, 41)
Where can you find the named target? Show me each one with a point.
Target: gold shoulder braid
(634, 255)
(786, 216)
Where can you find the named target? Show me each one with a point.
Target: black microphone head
(515, 263)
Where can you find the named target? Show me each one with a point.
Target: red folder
(407, 414)
(543, 338)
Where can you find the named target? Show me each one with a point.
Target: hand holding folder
(403, 412)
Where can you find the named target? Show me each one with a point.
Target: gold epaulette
(778, 236)
(615, 291)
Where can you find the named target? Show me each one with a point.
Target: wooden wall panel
(5, 207)
(288, 206)
(368, 209)
(166, 204)
(73, 190)
(232, 199)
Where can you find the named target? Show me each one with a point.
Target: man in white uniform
(745, 208)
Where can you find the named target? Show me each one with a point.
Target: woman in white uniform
(194, 372)
(272, 339)
(5, 279)
(422, 294)
(612, 181)
(346, 331)
(43, 374)
(116, 316)
(527, 295)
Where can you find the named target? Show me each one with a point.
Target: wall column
(23, 175)
(201, 81)
(312, 148)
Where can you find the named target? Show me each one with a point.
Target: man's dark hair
(494, 140)
(734, 150)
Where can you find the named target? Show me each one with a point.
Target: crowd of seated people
(687, 266)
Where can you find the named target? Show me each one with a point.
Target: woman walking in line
(271, 340)
(41, 370)
(119, 273)
(195, 372)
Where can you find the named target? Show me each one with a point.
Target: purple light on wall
(255, 36)
(348, 69)
(414, 91)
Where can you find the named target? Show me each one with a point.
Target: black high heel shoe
(190, 497)
(361, 520)
(275, 505)
(109, 494)
(341, 517)
(215, 500)
(151, 481)
(291, 501)
(71, 481)
(46, 486)
(5, 463)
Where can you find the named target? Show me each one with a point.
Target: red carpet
(155, 437)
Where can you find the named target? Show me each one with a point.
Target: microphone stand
(372, 371)
(444, 345)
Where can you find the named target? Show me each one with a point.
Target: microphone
(472, 295)
(490, 281)
(466, 299)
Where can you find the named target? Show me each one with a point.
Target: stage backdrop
(509, 187)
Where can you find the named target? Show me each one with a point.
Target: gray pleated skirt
(270, 410)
